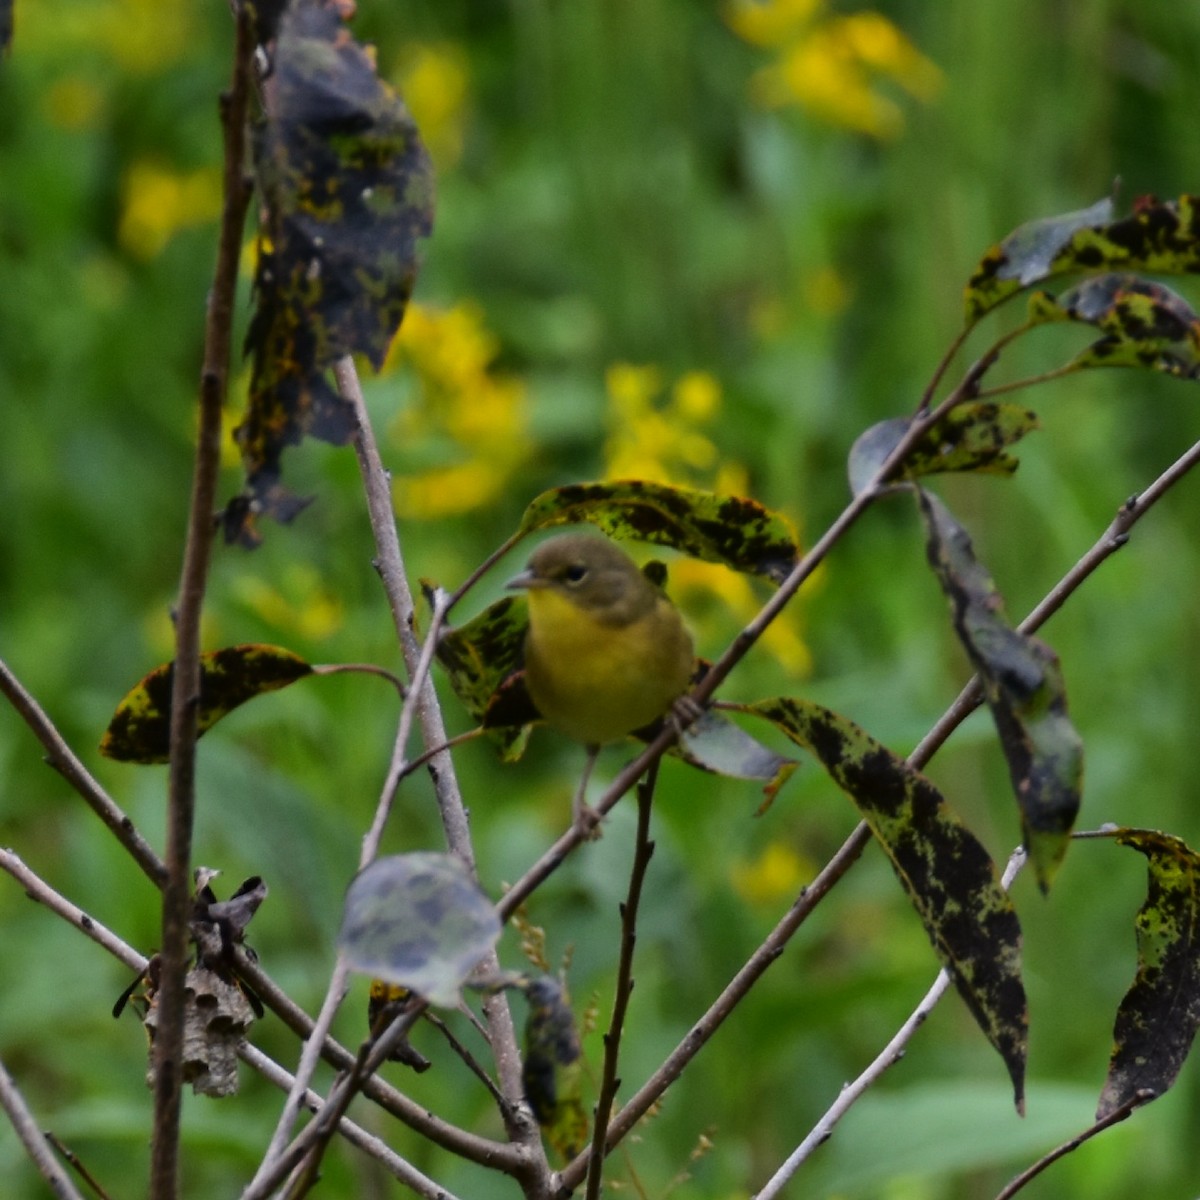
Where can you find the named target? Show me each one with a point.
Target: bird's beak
(523, 582)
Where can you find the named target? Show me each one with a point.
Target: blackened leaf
(947, 873)
(482, 659)
(715, 744)
(347, 193)
(382, 996)
(971, 437)
(733, 530)
(1146, 324)
(420, 921)
(1024, 687)
(6, 24)
(1158, 1017)
(1159, 236)
(553, 1066)
(140, 730)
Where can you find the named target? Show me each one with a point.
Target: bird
(606, 652)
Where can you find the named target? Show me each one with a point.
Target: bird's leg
(584, 818)
(683, 713)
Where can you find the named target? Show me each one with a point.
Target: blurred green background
(707, 244)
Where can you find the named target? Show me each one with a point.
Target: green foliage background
(609, 192)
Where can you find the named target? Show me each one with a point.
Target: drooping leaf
(482, 659)
(419, 921)
(971, 437)
(140, 729)
(1158, 236)
(1158, 1017)
(733, 530)
(1145, 324)
(947, 873)
(552, 1070)
(715, 744)
(347, 193)
(1024, 688)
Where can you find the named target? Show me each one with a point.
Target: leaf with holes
(1145, 324)
(733, 530)
(419, 921)
(1024, 687)
(140, 729)
(947, 873)
(1158, 236)
(971, 437)
(1158, 1017)
(347, 194)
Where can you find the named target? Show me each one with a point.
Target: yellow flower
(433, 81)
(777, 874)
(470, 419)
(829, 64)
(157, 202)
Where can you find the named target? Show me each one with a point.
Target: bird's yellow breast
(597, 681)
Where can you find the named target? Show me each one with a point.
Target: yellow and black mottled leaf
(1145, 324)
(971, 437)
(483, 660)
(733, 530)
(347, 193)
(1023, 684)
(1158, 1017)
(947, 873)
(1158, 236)
(140, 729)
(420, 921)
(552, 1070)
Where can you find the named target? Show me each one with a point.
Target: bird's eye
(575, 573)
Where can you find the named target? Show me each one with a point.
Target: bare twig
(76, 1164)
(642, 853)
(1143, 1096)
(64, 760)
(31, 1137)
(887, 1058)
(164, 1164)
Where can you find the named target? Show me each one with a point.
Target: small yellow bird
(606, 652)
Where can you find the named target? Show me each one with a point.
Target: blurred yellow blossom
(74, 103)
(664, 434)
(777, 874)
(156, 202)
(142, 37)
(830, 64)
(461, 409)
(432, 78)
(299, 604)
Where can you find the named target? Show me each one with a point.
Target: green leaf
(1159, 236)
(947, 873)
(482, 660)
(715, 744)
(347, 193)
(552, 1071)
(971, 437)
(140, 729)
(1158, 1017)
(419, 921)
(733, 530)
(1024, 688)
(1146, 324)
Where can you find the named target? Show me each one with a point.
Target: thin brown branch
(64, 760)
(27, 1130)
(76, 1164)
(1144, 1096)
(390, 564)
(164, 1164)
(609, 1082)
